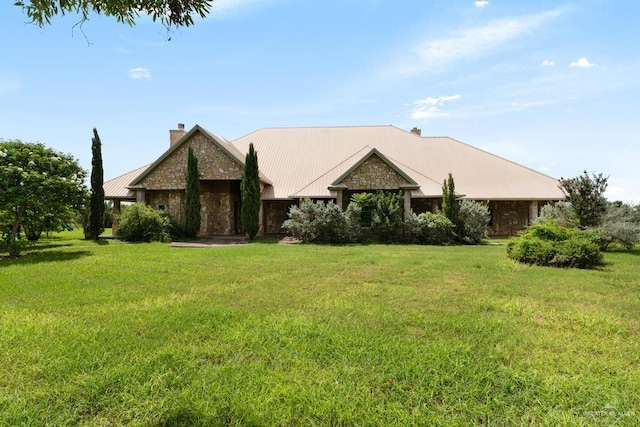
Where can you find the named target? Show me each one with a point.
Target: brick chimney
(176, 134)
(416, 131)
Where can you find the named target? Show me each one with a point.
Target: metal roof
(303, 162)
(116, 188)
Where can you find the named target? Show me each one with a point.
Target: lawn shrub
(429, 228)
(142, 223)
(386, 217)
(620, 225)
(560, 212)
(474, 218)
(549, 244)
(317, 221)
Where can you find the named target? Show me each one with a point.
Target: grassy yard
(268, 334)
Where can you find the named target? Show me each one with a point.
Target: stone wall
(374, 174)
(275, 214)
(213, 164)
(508, 217)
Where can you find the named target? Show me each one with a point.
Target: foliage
(317, 221)
(549, 244)
(39, 184)
(474, 218)
(366, 202)
(586, 195)
(142, 223)
(450, 205)
(171, 13)
(429, 228)
(386, 216)
(192, 215)
(96, 202)
(620, 225)
(250, 194)
(560, 212)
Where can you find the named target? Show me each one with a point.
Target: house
(333, 163)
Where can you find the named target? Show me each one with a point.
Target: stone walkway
(211, 242)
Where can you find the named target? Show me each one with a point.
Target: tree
(171, 13)
(192, 217)
(96, 203)
(39, 182)
(586, 195)
(450, 206)
(250, 194)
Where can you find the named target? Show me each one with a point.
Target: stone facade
(508, 217)
(275, 214)
(213, 164)
(374, 174)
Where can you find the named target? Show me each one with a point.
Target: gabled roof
(304, 162)
(116, 188)
(219, 141)
(367, 156)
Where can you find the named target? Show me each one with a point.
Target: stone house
(333, 163)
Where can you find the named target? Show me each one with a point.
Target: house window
(162, 207)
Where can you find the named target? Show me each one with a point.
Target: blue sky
(552, 85)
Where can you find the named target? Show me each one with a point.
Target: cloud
(430, 107)
(139, 73)
(582, 63)
(547, 63)
(480, 3)
(434, 55)
(227, 7)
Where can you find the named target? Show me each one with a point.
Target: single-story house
(333, 163)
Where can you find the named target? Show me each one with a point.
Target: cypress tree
(450, 206)
(192, 217)
(250, 194)
(96, 204)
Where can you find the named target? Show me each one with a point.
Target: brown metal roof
(303, 162)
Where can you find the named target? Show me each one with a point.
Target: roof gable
(374, 171)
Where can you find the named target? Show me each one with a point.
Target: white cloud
(582, 63)
(547, 63)
(139, 73)
(480, 3)
(433, 55)
(430, 107)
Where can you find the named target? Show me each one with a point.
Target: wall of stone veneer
(213, 164)
(508, 217)
(374, 174)
(276, 213)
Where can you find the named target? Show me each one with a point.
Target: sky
(552, 85)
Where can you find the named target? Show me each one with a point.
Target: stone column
(339, 198)
(407, 204)
(140, 196)
(116, 212)
(533, 211)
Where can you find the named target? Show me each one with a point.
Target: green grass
(264, 334)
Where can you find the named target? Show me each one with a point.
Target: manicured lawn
(268, 334)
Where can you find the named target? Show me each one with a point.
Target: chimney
(416, 131)
(176, 134)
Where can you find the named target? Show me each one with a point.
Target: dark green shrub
(549, 244)
(429, 228)
(142, 223)
(386, 216)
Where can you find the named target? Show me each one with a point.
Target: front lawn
(111, 333)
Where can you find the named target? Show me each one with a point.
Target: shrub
(620, 225)
(560, 212)
(142, 223)
(429, 228)
(474, 218)
(317, 221)
(386, 217)
(549, 244)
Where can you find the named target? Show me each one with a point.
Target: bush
(429, 228)
(620, 225)
(317, 221)
(549, 244)
(474, 218)
(386, 216)
(142, 223)
(560, 212)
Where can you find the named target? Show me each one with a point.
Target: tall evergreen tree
(250, 193)
(192, 217)
(450, 206)
(96, 205)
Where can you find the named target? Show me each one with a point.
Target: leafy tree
(96, 202)
(450, 206)
(171, 13)
(192, 216)
(39, 182)
(250, 193)
(586, 195)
